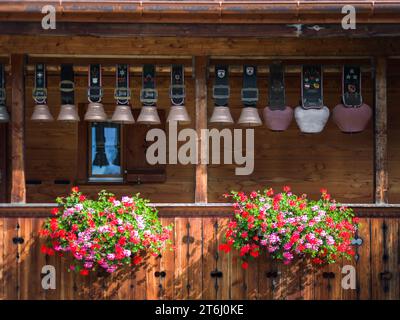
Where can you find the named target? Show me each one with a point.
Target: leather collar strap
(249, 91)
(2, 86)
(352, 86)
(122, 93)
(67, 84)
(311, 87)
(276, 86)
(95, 91)
(177, 90)
(39, 92)
(149, 94)
(221, 90)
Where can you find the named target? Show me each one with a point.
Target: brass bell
(41, 113)
(95, 112)
(149, 115)
(4, 116)
(221, 115)
(249, 117)
(178, 114)
(68, 113)
(123, 115)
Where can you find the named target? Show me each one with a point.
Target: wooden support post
(200, 69)
(381, 162)
(17, 124)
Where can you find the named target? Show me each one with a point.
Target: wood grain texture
(197, 46)
(381, 161)
(17, 128)
(200, 65)
(188, 268)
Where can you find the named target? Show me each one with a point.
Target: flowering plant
(288, 226)
(106, 233)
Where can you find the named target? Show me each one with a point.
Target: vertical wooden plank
(384, 258)
(265, 277)
(363, 265)
(140, 285)
(195, 263)
(152, 282)
(381, 162)
(181, 259)
(224, 263)
(307, 273)
(210, 258)
(322, 285)
(17, 126)
(278, 280)
(10, 272)
(3, 162)
(200, 66)
(238, 278)
(167, 264)
(252, 279)
(2, 264)
(293, 278)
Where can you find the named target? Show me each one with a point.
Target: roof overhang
(206, 11)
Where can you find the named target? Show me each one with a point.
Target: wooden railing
(196, 269)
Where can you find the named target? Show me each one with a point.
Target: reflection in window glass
(106, 158)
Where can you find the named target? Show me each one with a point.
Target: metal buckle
(177, 96)
(221, 87)
(122, 94)
(249, 90)
(144, 93)
(39, 95)
(64, 86)
(97, 95)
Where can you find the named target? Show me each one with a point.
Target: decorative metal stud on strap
(249, 116)
(95, 111)
(352, 115)
(4, 116)
(277, 116)
(177, 95)
(122, 93)
(221, 92)
(68, 111)
(312, 115)
(148, 97)
(41, 111)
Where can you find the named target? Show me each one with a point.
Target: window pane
(106, 159)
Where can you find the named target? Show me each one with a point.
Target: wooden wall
(51, 149)
(188, 268)
(393, 133)
(343, 163)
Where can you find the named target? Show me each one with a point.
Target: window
(114, 153)
(105, 152)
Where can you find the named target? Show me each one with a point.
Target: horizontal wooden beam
(192, 46)
(267, 11)
(42, 210)
(210, 30)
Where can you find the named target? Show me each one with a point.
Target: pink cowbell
(351, 120)
(278, 120)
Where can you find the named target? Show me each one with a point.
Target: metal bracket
(18, 240)
(161, 274)
(357, 241)
(216, 274)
